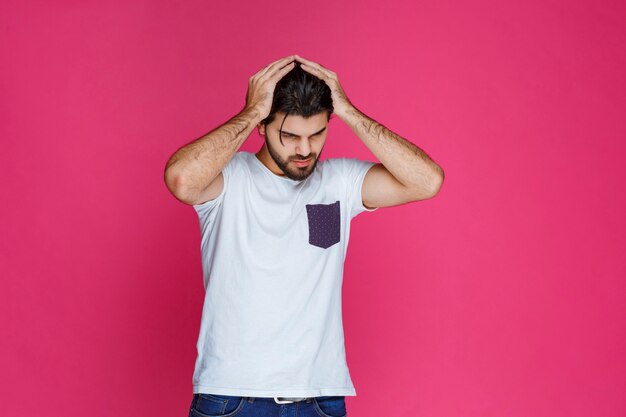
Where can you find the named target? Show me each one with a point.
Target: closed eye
(287, 135)
(291, 135)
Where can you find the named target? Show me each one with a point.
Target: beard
(295, 173)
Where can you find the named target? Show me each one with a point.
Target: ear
(261, 128)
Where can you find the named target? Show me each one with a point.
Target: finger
(277, 65)
(281, 73)
(305, 61)
(315, 71)
(310, 63)
(308, 69)
(264, 69)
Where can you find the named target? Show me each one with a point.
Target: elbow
(176, 185)
(437, 181)
(440, 177)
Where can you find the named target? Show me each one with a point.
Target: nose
(304, 147)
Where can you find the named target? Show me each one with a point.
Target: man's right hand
(261, 85)
(193, 174)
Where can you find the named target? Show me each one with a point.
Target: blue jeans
(214, 405)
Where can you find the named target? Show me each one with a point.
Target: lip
(302, 163)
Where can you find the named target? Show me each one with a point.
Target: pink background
(502, 296)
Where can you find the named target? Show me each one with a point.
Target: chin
(299, 175)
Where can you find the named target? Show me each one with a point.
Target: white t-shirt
(273, 251)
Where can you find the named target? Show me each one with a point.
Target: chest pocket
(324, 224)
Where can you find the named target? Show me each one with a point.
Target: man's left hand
(341, 103)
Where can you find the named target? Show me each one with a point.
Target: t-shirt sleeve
(354, 171)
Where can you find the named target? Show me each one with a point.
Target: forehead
(299, 125)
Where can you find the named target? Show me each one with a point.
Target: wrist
(251, 113)
(346, 113)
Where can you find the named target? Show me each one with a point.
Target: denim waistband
(281, 400)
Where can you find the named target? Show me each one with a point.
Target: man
(275, 228)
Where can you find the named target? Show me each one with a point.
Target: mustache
(302, 159)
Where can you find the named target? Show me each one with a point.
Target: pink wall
(502, 296)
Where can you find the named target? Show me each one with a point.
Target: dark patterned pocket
(324, 224)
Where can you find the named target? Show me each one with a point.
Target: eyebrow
(293, 134)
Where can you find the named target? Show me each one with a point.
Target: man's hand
(341, 103)
(405, 172)
(193, 174)
(261, 85)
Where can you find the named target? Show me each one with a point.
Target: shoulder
(240, 159)
(337, 163)
(347, 167)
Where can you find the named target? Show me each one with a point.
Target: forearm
(410, 165)
(194, 166)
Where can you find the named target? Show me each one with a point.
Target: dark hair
(301, 94)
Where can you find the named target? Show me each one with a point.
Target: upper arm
(381, 189)
(211, 192)
(214, 192)
(177, 187)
